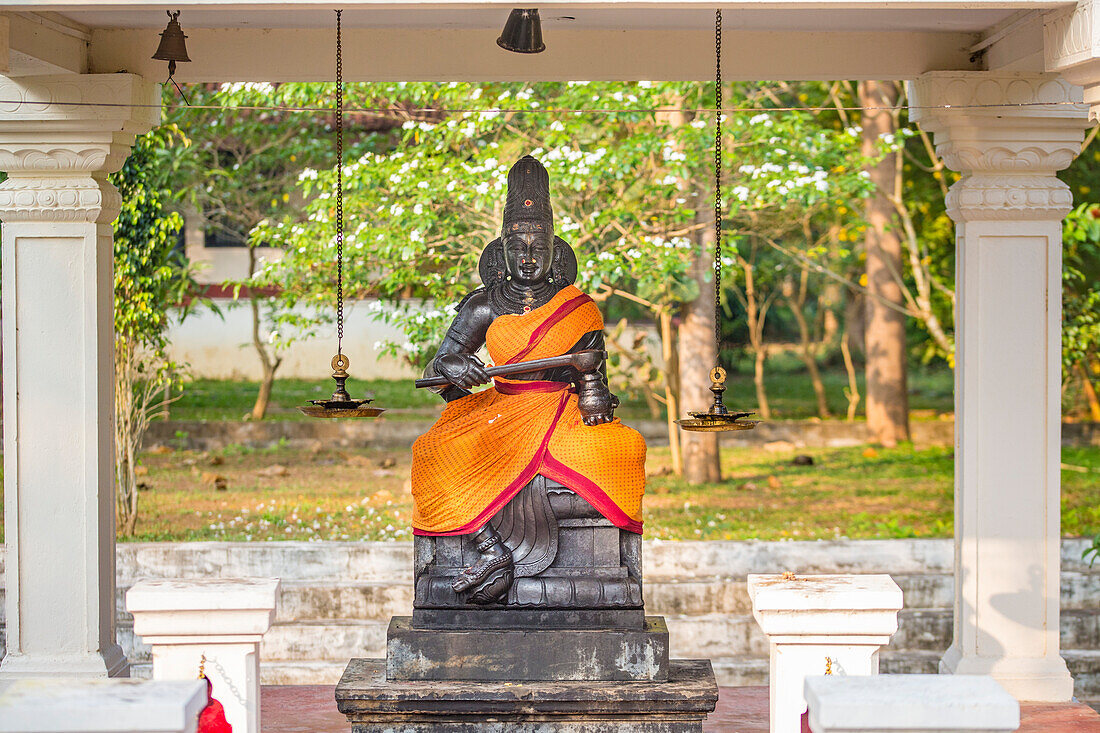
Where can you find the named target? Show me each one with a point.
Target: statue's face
(528, 256)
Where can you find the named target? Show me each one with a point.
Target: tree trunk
(698, 351)
(886, 369)
(756, 312)
(762, 406)
(672, 377)
(1090, 392)
(852, 392)
(269, 362)
(805, 344)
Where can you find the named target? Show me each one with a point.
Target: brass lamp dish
(341, 404)
(717, 419)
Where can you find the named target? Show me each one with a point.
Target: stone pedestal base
(820, 624)
(527, 655)
(374, 704)
(221, 619)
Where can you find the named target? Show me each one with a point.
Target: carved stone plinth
(573, 568)
(568, 648)
(528, 655)
(374, 704)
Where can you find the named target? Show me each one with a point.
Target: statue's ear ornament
(491, 267)
(563, 269)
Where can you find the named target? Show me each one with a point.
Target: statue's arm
(594, 398)
(456, 360)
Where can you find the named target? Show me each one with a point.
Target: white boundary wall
(220, 347)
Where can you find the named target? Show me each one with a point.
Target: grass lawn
(284, 494)
(790, 396)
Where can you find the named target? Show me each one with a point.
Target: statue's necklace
(512, 298)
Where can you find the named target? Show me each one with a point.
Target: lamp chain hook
(717, 184)
(339, 189)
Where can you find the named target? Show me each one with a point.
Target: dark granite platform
(374, 704)
(527, 655)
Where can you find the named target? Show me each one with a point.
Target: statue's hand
(594, 400)
(462, 370)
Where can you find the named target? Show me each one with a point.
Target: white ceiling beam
(39, 44)
(1017, 45)
(277, 55)
(232, 5)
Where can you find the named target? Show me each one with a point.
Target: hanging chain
(717, 183)
(339, 189)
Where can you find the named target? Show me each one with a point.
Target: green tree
(240, 168)
(1081, 301)
(150, 278)
(632, 194)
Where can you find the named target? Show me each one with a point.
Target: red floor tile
(312, 709)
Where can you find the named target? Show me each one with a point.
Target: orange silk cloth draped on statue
(486, 446)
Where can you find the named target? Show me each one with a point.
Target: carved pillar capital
(82, 199)
(1008, 134)
(59, 138)
(985, 197)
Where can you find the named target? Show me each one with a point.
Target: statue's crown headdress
(527, 207)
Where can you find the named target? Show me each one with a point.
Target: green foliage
(1081, 287)
(1092, 551)
(152, 279)
(151, 274)
(627, 189)
(240, 167)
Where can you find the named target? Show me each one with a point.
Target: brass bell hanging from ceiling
(172, 47)
(717, 418)
(522, 32)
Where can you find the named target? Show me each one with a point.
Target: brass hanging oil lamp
(717, 418)
(341, 404)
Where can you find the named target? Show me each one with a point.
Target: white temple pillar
(57, 208)
(1008, 209)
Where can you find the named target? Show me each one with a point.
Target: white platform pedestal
(913, 703)
(819, 621)
(100, 706)
(223, 619)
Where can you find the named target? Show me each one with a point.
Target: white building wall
(220, 347)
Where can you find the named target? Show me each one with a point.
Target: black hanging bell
(523, 32)
(172, 47)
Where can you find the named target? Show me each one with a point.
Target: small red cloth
(212, 718)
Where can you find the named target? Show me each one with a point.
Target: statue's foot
(495, 559)
(494, 588)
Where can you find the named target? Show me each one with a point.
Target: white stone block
(910, 703)
(100, 706)
(819, 623)
(223, 619)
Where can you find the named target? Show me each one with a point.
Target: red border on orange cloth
(554, 469)
(532, 386)
(525, 476)
(552, 320)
